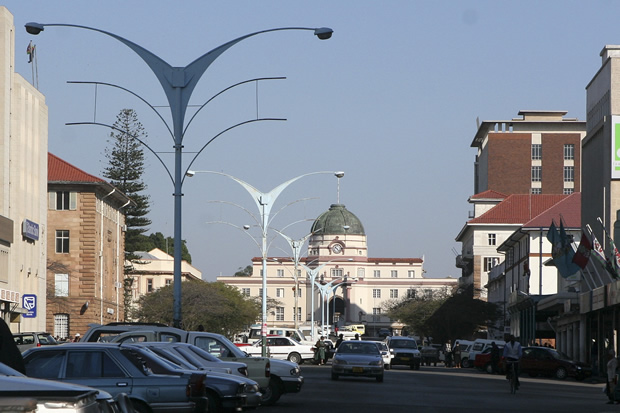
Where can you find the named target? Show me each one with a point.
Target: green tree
(245, 272)
(166, 244)
(414, 311)
(125, 157)
(461, 316)
(220, 308)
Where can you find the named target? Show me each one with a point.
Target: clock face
(337, 248)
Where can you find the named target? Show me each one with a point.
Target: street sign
(29, 302)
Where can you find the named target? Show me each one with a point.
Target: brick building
(86, 244)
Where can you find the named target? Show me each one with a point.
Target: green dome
(334, 221)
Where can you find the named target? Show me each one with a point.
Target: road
(437, 389)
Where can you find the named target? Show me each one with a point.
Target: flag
(582, 256)
(616, 255)
(599, 254)
(561, 251)
(30, 52)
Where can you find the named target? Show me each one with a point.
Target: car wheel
(295, 358)
(488, 368)
(271, 394)
(412, 366)
(387, 366)
(465, 364)
(380, 379)
(140, 407)
(214, 402)
(417, 366)
(561, 373)
(334, 376)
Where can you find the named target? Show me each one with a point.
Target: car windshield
(358, 347)
(558, 355)
(403, 344)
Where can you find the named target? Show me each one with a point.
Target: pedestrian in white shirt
(512, 354)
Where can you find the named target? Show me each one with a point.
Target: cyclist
(512, 355)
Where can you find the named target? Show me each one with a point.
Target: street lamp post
(178, 84)
(326, 289)
(264, 202)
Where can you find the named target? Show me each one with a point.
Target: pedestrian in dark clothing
(340, 339)
(494, 358)
(9, 353)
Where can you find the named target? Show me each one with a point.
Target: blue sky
(392, 100)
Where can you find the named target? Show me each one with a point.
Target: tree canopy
(245, 272)
(218, 307)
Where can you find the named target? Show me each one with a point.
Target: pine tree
(125, 157)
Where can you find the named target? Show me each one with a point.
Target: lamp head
(339, 174)
(36, 28)
(322, 33)
(246, 227)
(190, 173)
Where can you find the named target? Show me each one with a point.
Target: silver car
(358, 358)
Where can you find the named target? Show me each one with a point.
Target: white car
(386, 353)
(282, 348)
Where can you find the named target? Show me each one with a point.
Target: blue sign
(29, 302)
(30, 230)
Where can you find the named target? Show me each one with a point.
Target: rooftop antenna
(339, 175)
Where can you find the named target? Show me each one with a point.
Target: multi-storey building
(86, 239)
(352, 287)
(539, 153)
(23, 189)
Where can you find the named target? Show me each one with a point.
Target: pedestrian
(340, 339)
(512, 354)
(9, 352)
(456, 355)
(76, 338)
(447, 353)
(319, 352)
(612, 381)
(494, 358)
(357, 336)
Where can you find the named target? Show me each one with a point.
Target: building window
(297, 317)
(411, 293)
(361, 272)
(61, 325)
(337, 272)
(394, 293)
(376, 293)
(376, 273)
(536, 191)
(568, 191)
(411, 273)
(376, 311)
(536, 152)
(62, 241)
(280, 292)
(280, 273)
(569, 152)
(61, 285)
(394, 273)
(536, 173)
(149, 285)
(63, 200)
(490, 262)
(168, 282)
(492, 239)
(279, 313)
(260, 292)
(245, 292)
(569, 174)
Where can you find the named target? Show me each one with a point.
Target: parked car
(196, 357)
(118, 369)
(546, 361)
(430, 355)
(384, 332)
(282, 348)
(225, 391)
(405, 351)
(54, 396)
(483, 360)
(275, 377)
(358, 358)
(478, 346)
(28, 340)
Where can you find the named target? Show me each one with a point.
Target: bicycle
(512, 377)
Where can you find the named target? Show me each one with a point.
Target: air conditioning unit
(110, 311)
(118, 285)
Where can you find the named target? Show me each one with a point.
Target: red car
(483, 360)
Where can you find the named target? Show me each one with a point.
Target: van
(477, 347)
(294, 333)
(462, 347)
(356, 328)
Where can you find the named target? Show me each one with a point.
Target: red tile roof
(519, 209)
(569, 209)
(489, 194)
(62, 171)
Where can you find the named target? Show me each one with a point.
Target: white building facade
(23, 191)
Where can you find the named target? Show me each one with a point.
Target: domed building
(349, 287)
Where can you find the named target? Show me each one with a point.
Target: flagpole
(582, 272)
(597, 254)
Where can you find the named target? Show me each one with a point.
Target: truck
(274, 377)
